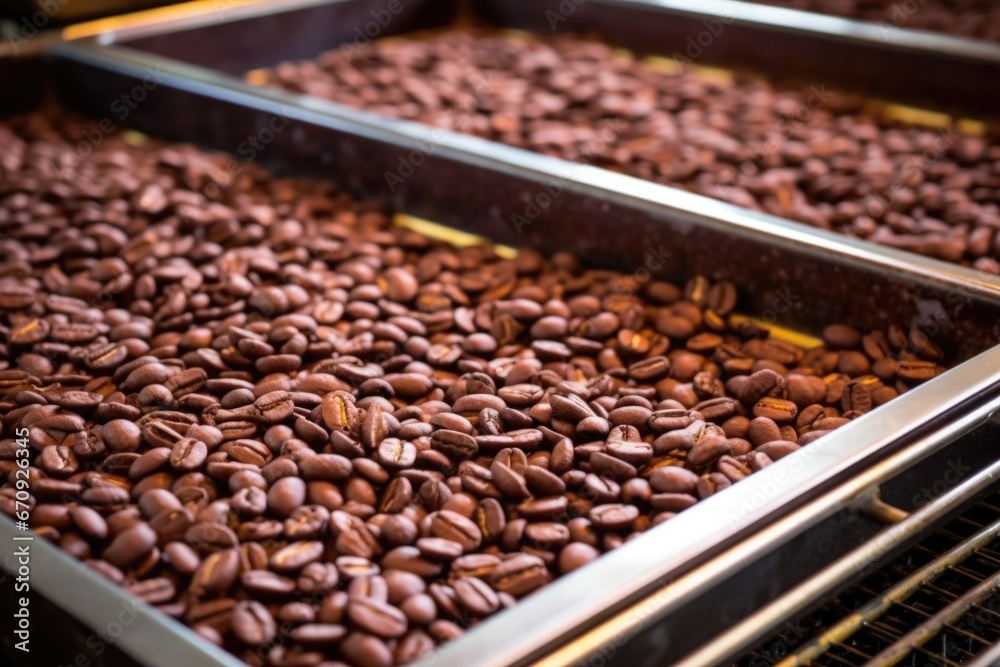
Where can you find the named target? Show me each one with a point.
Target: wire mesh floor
(937, 605)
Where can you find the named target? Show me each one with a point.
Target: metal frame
(461, 183)
(955, 74)
(464, 180)
(729, 644)
(914, 66)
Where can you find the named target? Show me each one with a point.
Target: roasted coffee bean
(857, 397)
(250, 501)
(576, 555)
(317, 634)
(397, 496)
(208, 536)
(674, 502)
(340, 412)
(329, 467)
(438, 549)
(265, 583)
(777, 449)
(599, 489)
(540, 509)
(632, 451)
(546, 535)
(805, 390)
(217, 573)
(89, 522)
(120, 435)
(286, 495)
(490, 518)
(377, 618)
(318, 578)
(913, 370)
(709, 446)
(374, 429)
(840, 336)
(457, 528)
(543, 482)
(760, 385)
(131, 545)
(145, 464)
(188, 454)
(711, 484)
(360, 648)
(476, 596)
(153, 591)
(58, 461)
(253, 624)
(396, 454)
(520, 575)
(778, 409)
(296, 556)
(454, 443)
(509, 482)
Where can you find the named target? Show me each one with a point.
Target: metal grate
(937, 605)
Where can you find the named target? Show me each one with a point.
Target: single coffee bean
(296, 556)
(856, 397)
(454, 443)
(575, 555)
(253, 624)
(520, 575)
(217, 573)
(268, 584)
(286, 495)
(396, 454)
(613, 516)
(780, 410)
(476, 596)
(131, 545)
(378, 618)
(188, 454)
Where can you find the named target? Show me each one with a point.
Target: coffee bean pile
(320, 438)
(968, 18)
(813, 156)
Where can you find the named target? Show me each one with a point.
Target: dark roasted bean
(253, 624)
(613, 516)
(217, 573)
(376, 617)
(454, 443)
(519, 575)
(457, 528)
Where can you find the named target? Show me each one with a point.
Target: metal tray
(952, 74)
(609, 219)
(786, 45)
